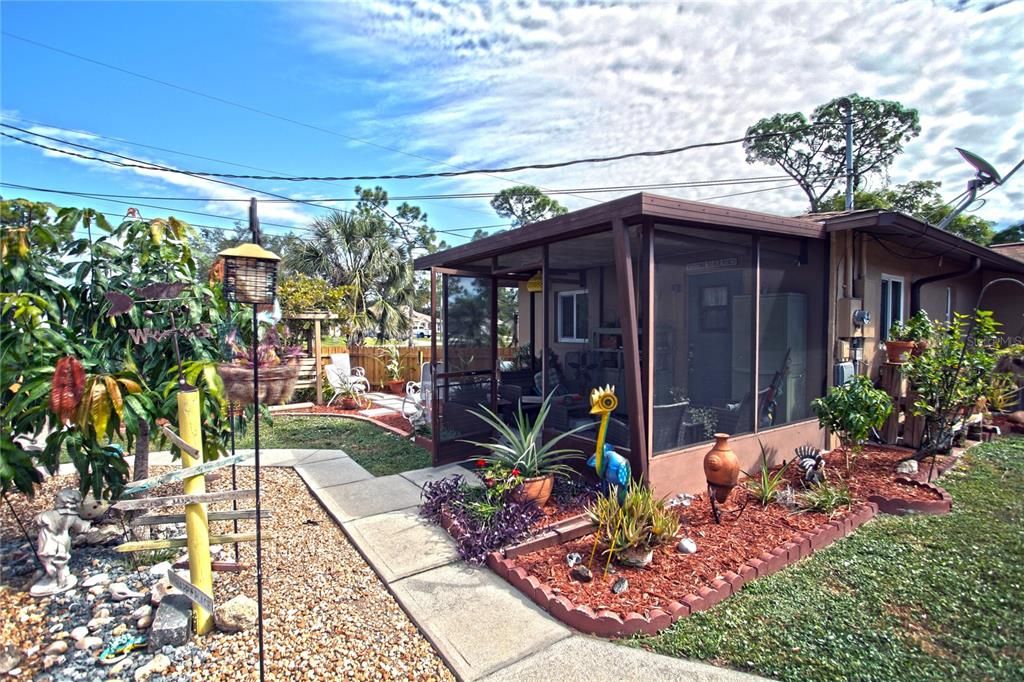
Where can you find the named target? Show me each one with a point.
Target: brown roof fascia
(630, 209)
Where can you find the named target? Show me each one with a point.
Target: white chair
(342, 376)
(417, 400)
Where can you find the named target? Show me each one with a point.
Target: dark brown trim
(495, 364)
(755, 356)
(638, 453)
(647, 283)
(545, 295)
(435, 427)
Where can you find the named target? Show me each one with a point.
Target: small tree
(525, 204)
(850, 411)
(950, 376)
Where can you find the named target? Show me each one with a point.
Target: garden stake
(28, 538)
(197, 525)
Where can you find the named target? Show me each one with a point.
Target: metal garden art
(612, 469)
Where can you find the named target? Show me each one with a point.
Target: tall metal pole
(847, 105)
(254, 226)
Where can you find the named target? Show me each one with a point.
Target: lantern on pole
(250, 276)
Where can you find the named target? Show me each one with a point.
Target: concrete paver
(370, 497)
(399, 544)
(586, 658)
(477, 622)
(315, 456)
(325, 473)
(421, 476)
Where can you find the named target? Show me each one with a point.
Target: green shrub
(851, 411)
(825, 497)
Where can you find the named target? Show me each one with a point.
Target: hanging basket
(277, 384)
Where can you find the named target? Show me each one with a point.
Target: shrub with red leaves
(67, 388)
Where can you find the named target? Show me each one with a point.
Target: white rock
(161, 589)
(87, 643)
(98, 579)
(101, 611)
(158, 664)
(119, 667)
(119, 630)
(908, 467)
(160, 568)
(234, 615)
(97, 590)
(79, 632)
(144, 622)
(142, 611)
(96, 623)
(52, 660)
(56, 648)
(687, 546)
(120, 592)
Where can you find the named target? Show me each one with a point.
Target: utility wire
(402, 176)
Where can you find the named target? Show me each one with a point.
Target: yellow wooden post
(318, 362)
(197, 526)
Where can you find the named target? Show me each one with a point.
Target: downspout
(915, 287)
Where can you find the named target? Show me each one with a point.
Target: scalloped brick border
(901, 507)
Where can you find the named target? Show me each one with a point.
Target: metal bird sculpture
(612, 468)
(811, 463)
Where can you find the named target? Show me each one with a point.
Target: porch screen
(703, 339)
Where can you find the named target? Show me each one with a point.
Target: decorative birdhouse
(250, 274)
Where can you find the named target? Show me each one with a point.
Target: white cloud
(542, 81)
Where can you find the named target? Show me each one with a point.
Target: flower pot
(350, 404)
(536, 489)
(396, 387)
(898, 352)
(919, 347)
(635, 557)
(277, 384)
(721, 468)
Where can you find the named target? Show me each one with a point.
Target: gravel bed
(326, 614)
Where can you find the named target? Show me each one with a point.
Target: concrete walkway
(482, 627)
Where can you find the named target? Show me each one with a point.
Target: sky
(395, 86)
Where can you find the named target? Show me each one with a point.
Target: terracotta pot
(721, 468)
(350, 404)
(396, 387)
(919, 347)
(636, 557)
(897, 352)
(536, 489)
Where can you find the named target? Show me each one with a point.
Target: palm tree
(349, 250)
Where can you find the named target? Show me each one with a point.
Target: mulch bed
(741, 538)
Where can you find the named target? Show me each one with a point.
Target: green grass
(903, 598)
(378, 451)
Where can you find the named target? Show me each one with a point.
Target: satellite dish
(986, 172)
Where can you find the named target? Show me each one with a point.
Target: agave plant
(520, 445)
(640, 522)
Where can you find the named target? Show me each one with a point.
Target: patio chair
(417, 400)
(667, 421)
(342, 376)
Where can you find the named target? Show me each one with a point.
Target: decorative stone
(907, 467)
(91, 509)
(142, 611)
(52, 660)
(161, 589)
(620, 585)
(79, 632)
(573, 558)
(56, 648)
(53, 543)
(237, 614)
(687, 546)
(173, 623)
(581, 573)
(97, 590)
(637, 557)
(144, 622)
(157, 665)
(120, 592)
(90, 642)
(98, 579)
(101, 611)
(120, 666)
(100, 536)
(10, 657)
(119, 630)
(160, 569)
(96, 623)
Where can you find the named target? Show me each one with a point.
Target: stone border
(901, 507)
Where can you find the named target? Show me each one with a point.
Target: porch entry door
(466, 360)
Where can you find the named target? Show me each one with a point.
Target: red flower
(516, 472)
(481, 463)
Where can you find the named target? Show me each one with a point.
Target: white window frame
(887, 304)
(562, 295)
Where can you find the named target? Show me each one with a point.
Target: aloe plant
(520, 445)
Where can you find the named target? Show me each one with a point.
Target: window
(892, 304)
(572, 316)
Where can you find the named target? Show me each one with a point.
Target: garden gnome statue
(54, 543)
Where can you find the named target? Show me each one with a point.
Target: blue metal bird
(616, 471)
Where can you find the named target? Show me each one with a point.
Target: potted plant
(629, 530)
(278, 365)
(351, 398)
(908, 338)
(393, 370)
(520, 447)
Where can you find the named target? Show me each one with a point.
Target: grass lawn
(378, 451)
(903, 598)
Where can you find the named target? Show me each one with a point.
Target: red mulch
(553, 513)
(1005, 425)
(740, 537)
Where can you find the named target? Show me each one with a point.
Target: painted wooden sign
(231, 515)
(168, 543)
(181, 474)
(177, 500)
(191, 591)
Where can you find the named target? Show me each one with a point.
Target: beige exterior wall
(1007, 301)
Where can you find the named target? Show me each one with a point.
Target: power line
(403, 176)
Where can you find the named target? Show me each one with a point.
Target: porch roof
(909, 232)
(630, 209)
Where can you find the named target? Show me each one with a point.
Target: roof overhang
(901, 226)
(631, 209)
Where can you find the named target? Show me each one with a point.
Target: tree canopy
(1011, 235)
(812, 150)
(525, 204)
(920, 199)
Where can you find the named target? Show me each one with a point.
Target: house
(705, 318)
